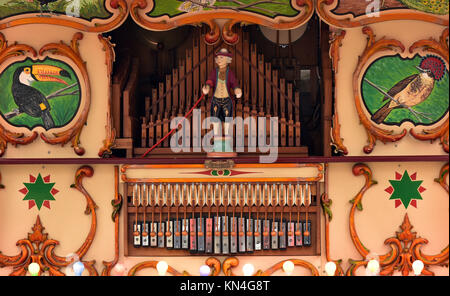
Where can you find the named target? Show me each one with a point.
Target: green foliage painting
(85, 9)
(39, 93)
(269, 8)
(418, 89)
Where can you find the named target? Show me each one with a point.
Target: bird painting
(411, 90)
(30, 100)
(45, 3)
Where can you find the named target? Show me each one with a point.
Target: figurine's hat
(224, 52)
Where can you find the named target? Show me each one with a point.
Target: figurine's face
(222, 61)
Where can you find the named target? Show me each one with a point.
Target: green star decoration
(405, 189)
(39, 191)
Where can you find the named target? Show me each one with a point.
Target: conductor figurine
(222, 81)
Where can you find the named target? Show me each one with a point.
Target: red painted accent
(235, 173)
(47, 204)
(47, 179)
(54, 191)
(414, 203)
(398, 176)
(414, 176)
(31, 204)
(397, 203)
(220, 173)
(389, 190)
(421, 189)
(23, 190)
(32, 179)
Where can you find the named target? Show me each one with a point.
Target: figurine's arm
(234, 85)
(210, 83)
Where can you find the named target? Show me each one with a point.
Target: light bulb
(34, 269)
(119, 269)
(373, 266)
(248, 269)
(78, 268)
(205, 270)
(288, 267)
(417, 267)
(330, 268)
(162, 267)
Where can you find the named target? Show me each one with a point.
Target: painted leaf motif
(430, 6)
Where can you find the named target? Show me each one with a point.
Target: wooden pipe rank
(222, 218)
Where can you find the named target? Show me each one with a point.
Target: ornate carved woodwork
(118, 7)
(212, 262)
(72, 131)
(140, 9)
(324, 9)
(374, 131)
(38, 248)
(405, 246)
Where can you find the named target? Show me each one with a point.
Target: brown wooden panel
(182, 86)
(246, 66)
(175, 102)
(261, 81)
(275, 92)
(118, 83)
(189, 60)
(268, 74)
(129, 101)
(254, 80)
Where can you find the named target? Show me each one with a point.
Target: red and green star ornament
(405, 189)
(39, 192)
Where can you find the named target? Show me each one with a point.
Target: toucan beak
(46, 73)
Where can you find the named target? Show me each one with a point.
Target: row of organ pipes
(172, 216)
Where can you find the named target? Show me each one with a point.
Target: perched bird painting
(30, 100)
(45, 3)
(411, 90)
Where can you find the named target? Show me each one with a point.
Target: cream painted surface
(353, 45)
(379, 218)
(91, 51)
(67, 223)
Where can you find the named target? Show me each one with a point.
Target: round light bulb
(330, 268)
(417, 267)
(248, 269)
(119, 269)
(162, 267)
(34, 269)
(205, 270)
(373, 266)
(78, 268)
(288, 267)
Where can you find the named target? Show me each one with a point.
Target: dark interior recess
(155, 79)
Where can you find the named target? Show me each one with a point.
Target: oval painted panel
(84, 9)
(42, 93)
(395, 90)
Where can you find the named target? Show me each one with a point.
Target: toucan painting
(30, 100)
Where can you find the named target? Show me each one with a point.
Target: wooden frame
(324, 8)
(312, 211)
(138, 9)
(405, 246)
(375, 132)
(72, 131)
(119, 8)
(39, 249)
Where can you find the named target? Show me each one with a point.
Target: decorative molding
(373, 47)
(139, 8)
(39, 249)
(441, 48)
(324, 10)
(65, 134)
(443, 175)
(117, 205)
(405, 246)
(373, 130)
(328, 215)
(212, 262)
(119, 8)
(336, 38)
(232, 262)
(110, 58)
